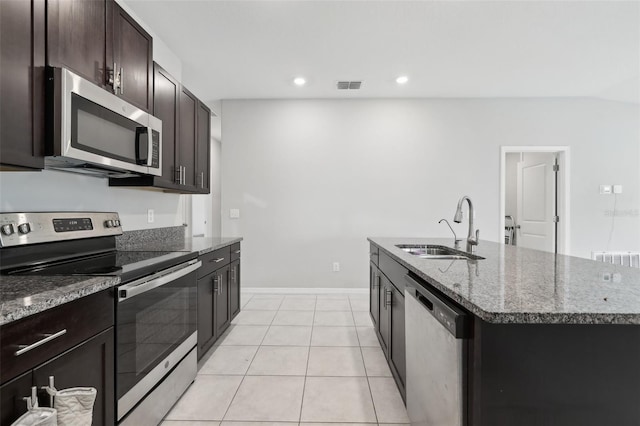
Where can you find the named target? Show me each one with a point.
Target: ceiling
(254, 49)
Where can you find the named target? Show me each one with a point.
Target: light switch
(617, 189)
(234, 213)
(605, 189)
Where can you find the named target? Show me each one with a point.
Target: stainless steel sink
(436, 252)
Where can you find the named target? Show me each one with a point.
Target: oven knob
(109, 223)
(8, 229)
(117, 222)
(24, 228)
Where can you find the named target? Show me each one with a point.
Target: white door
(536, 201)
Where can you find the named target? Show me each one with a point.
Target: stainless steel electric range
(155, 303)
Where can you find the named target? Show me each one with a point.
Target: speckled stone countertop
(201, 245)
(24, 295)
(21, 296)
(523, 286)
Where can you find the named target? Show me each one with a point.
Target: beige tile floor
(312, 360)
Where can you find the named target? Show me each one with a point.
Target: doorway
(534, 197)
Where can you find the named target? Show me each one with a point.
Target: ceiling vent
(348, 85)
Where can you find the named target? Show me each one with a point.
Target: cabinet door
(203, 146)
(205, 314)
(374, 293)
(89, 364)
(397, 345)
(234, 288)
(12, 405)
(384, 322)
(77, 38)
(166, 94)
(187, 141)
(132, 54)
(22, 83)
(221, 301)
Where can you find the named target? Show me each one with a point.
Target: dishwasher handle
(454, 319)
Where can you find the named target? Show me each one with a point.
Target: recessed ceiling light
(299, 81)
(402, 79)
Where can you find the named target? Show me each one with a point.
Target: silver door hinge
(556, 168)
(556, 219)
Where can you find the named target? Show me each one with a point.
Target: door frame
(564, 193)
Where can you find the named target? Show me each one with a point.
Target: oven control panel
(43, 227)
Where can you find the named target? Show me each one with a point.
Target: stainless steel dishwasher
(436, 334)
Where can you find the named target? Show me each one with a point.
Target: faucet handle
(477, 236)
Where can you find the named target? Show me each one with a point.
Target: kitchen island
(553, 339)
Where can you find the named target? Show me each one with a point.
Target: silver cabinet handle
(121, 81)
(237, 252)
(184, 175)
(219, 284)
(47, 338)
(218, 260)
(149, 283)
(178, 177)
(388, 297)
(233, 274)
(201, 179)
(113, 78)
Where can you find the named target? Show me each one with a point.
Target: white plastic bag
(37, 417)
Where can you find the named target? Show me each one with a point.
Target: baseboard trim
(298, 290)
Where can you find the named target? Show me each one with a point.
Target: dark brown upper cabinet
(203, 143)
(132, 60)
(187, 145)
(22, 54)
(186, 132)
(99, 41)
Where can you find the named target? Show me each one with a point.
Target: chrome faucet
(456, 240)
(472, 241)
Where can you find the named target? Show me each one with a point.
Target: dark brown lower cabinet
(234, 288)
(397, 344)
(221, 301)
(206, 336)
(89, 364)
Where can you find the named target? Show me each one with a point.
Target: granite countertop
(523, 286)
(201, 245)
(22, 296)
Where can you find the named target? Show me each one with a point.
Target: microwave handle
(149, 146)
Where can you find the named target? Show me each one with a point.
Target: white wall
(314, 178)
(53, 190)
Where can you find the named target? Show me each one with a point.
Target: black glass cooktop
(128, 265)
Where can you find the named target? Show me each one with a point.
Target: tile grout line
(245, 373)
(306, 372)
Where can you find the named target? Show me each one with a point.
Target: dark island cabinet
(22, 54)
(133, 59)
(386, 307)
(218, 294)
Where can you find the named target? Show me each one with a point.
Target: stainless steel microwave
(92, 131)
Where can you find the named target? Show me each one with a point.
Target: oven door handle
(135, 288)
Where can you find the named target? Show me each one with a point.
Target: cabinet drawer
(235, 251)
(71, 323)
(393, 270)
(374, 254)
(214, 260)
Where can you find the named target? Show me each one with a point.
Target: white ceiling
(254, 49)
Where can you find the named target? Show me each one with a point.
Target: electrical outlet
(336, 266)
(150, 215)
(234, 213)
(617, 189)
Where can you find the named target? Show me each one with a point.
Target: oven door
(155, 329)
